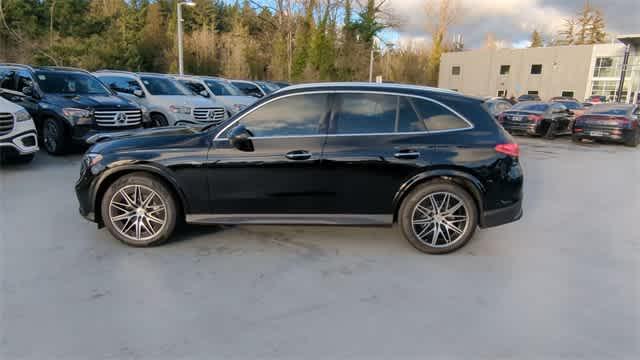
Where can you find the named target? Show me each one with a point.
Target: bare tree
(440, 15)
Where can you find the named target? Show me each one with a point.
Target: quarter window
(437, 118)
(290, 116)
(536, 69)
(362, 113)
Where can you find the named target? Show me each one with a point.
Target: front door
(282, 173)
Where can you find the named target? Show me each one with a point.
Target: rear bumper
(502, 216)
(614, 135)
(522, 128)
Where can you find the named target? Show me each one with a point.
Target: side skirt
(292, 219)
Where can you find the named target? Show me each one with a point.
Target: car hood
(186, 100)
(90, 101)
(138, 138)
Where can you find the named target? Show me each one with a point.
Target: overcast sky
(512, 21)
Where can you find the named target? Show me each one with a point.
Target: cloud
(512, 21)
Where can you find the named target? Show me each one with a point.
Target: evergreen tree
(536, 39)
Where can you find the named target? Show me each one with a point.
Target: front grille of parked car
(6, 123)
(209, 115)
(118, 118)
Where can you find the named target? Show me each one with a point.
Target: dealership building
(611, 70)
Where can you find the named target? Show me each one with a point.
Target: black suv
(431, 160)
(68, 105)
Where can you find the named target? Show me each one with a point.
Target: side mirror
(204, 93)
(138, 93)
(240, 138)
(28, 91)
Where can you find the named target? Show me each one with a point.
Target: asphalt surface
(564, 282)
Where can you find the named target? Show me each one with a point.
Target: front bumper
(23, 139)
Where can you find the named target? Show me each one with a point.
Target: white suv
(167, 101)
(18, 137)
(218, 88)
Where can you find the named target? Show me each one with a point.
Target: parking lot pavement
(562, 282)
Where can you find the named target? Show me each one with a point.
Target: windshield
(266, 87)
(163, 86)
(530, 107)
(608, 110)
(223, 88)
(70, 83)
(571, 104)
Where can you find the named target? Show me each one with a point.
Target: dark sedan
(432, 161)
(610, 122)
(537, 118)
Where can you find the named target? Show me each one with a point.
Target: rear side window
(8, 79)
(435, 117)
(362, 113)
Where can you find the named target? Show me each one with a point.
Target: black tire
(437, 188)
(158, 120)
(551, 130)
(633, 141)
(55, 139)
(164, 197)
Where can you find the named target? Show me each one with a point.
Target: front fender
(468, 181)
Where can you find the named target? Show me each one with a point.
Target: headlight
(180, 109)
(238, 107)
(78, 116)
(22, 115)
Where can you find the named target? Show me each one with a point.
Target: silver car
(218, 88)
(168, 102)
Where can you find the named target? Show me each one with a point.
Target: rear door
(376, 142)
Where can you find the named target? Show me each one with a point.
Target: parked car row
(71, 106)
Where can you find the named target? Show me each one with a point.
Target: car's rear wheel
(54, 136)
(438, 217)
(139, 210)
(158, 120)
(633, 141)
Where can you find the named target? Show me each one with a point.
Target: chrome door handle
(299, 155)
(407, 155)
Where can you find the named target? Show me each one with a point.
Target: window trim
(470, 127)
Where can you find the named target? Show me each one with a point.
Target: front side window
(504, 69)
(162, 86)
(8, 79)
(24, 80)
(536, 69)
(290, 116)
(67, 83)
(362, 113)
(121, 84)
(193, 86)
(455, 70)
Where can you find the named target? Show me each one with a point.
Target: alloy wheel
(440, 219)
(51, 137)
(138, 212)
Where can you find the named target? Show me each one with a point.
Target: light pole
(373, 46)
(180, 21)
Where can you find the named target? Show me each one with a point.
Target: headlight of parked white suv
(238, 107)
(22, 115)
(180, 109)
(78, 116)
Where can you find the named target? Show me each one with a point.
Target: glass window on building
(504, 69)
(607, 88)
(536, 69)
(532, 92)
(455, 70)
(568, 94)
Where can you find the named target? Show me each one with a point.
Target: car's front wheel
(139, 210)
(54, 135)
(438, 217)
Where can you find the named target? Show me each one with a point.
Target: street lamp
(180, 21)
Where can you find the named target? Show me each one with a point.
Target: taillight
(622, 121)
(534, 118)
(508, 149)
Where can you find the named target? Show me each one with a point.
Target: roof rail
(17, 65)
(63, 68)
(116, 71)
